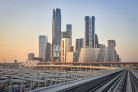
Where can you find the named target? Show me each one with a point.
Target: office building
(89, 32)
(79, 44)
(110, 55)
(101, 46)
(97, 55)
(76, 56)
(64, 48)
(72, 56)
(96, 41)
(65, 35)
(56, 53)
(37, 59)
(42, 47)
(71, 48)
(111, 44)
(56, 29)
(69, 57)
(69, 30)
(48, 52)
(30, 56)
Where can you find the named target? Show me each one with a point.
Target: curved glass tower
(56, 32)
(56, 27)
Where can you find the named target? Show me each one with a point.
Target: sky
(22, 21)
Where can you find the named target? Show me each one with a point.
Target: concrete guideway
(71, 66)
(125, 82)
(119, 81)
(78, 85)
(26, 78)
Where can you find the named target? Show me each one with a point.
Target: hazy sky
(22, 21)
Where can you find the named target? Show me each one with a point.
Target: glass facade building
(56, 27)
(69, 30)
(96, 41)
(79, 44)
(56, 30)
(111, 43)
(89, 32)
(42, 47)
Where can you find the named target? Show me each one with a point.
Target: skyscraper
(79, 44)
(56, 27)
(56, 32)
(111, 44)
(101, 46)
(69, 30)
(96, 41)
(65, 35)
(30, 56)
(64, 48)
(89, 33)
(48, 51)
(42, 47)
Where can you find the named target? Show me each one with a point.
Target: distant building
(30, 56)
(72, 56)
(97, 55)
(118, 59)
(37, 59)
(69, 30)
(48, 52)
(56, 53)
(89, 32)
(64, 48)
(76, 56)
(111, 43)
(110, 55)
(65, 35)
(42, 47)
(96, 41)
(15, 61)
(56, 28)
(101, 46)
(79, 44)
(69, 56)
(71, 48)
(93, 51)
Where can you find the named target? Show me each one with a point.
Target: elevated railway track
(79, 66)
(119, 81)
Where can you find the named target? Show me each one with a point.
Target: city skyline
(106, 31)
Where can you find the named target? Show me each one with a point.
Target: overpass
(115, 63)
(119, 81)
(79, 66)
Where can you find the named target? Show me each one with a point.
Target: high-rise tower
(111, 44)
(56, 32)
(56, 27)
(96, 41)
(69, 30)
(89, 33)
(42, 47)
(64, 48)
(79, 44)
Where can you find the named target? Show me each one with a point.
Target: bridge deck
(71, 66)
(69, 85)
